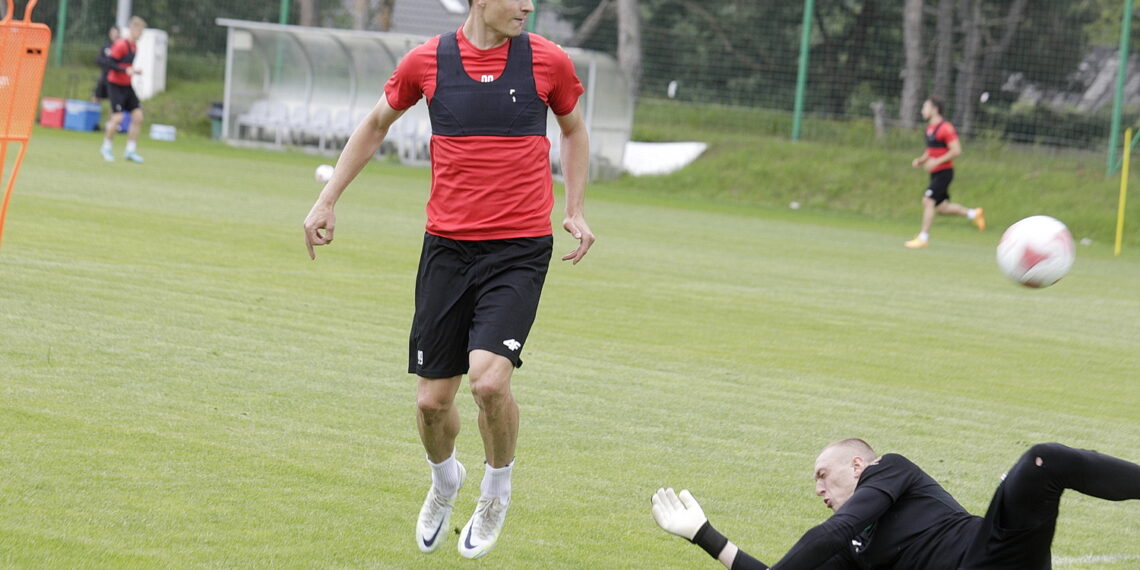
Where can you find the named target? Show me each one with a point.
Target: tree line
(862, 51)
(745, 52)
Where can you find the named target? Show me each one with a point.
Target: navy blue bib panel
(509, 106)
(932, 138)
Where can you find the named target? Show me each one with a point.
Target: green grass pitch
(180, 386)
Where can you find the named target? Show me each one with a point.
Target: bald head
(838, 468)
(853, 446)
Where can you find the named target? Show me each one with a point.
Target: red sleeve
(414, 76)
(554, 76)
(947, 133)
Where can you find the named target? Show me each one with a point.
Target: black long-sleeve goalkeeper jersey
(897, 518)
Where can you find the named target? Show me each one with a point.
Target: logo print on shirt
(512, 344)
(513, 96)
(487, 78)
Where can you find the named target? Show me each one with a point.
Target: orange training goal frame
(23, 57)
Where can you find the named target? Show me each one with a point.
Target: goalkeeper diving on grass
(888, 513)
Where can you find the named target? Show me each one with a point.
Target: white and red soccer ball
(1036, 252)
(323, 173)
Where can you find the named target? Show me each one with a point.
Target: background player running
(942, 147)
(122, 93)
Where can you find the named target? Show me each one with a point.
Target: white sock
(132, 146)
(445, 474)
(497, 482)
(106, 144)
(923, 236)
(972, 213)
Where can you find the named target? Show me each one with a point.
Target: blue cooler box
(81, 115)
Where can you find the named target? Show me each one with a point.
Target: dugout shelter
(310, 87)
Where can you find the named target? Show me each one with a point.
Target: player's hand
(678, 514)
(577, 227)
(319, 227)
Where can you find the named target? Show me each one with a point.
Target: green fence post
(1118, 100)
(801, 76)
(283, 19)
(60, 33)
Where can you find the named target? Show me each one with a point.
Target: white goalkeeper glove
(678, 514)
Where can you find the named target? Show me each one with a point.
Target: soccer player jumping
(888, 513)
(488, 242)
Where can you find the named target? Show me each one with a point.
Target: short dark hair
(857, 446)
(938, 103)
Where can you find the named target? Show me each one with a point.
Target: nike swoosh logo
(467, 539)
(430, 541)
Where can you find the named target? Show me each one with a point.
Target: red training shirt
(946, 134)
(123, 52)
(488, 187)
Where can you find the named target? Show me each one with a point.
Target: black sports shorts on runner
(100, 91)
(123, 98)
(939, 188)
(474, 295)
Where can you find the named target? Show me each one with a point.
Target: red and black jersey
(122, 58)
(489, 152)
(938, 139)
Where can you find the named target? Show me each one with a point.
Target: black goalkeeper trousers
(1035, 483)
(1019, 526)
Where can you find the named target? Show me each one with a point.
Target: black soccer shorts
(123, 98)
(939, 188)
(100, 91)
(475, 295)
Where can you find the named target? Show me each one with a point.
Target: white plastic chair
(255, 117)
(277, 119)
(316, 126)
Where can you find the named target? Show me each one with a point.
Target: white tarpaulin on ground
(642, 158)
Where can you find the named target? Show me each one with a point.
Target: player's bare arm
(320, 224)
(575, 156)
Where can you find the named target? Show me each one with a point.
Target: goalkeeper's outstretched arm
(680, 514)
(819, 548)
